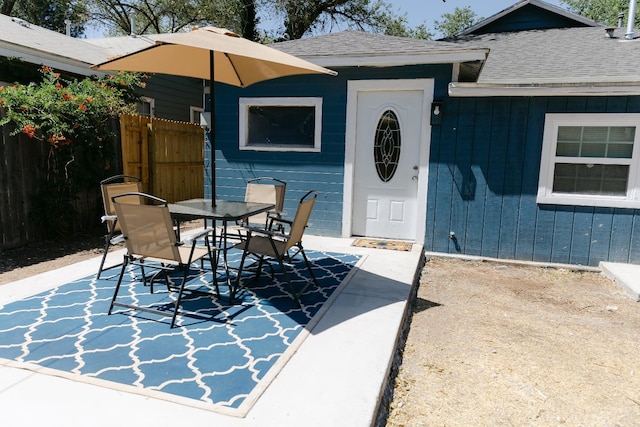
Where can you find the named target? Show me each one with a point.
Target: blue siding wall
(324, 171)
(483, 181)
(173, 96)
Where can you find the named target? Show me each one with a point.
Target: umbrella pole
(212, 129)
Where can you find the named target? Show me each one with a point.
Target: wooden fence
(168, 156)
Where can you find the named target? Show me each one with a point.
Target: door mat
(220, 357)
(395, 245)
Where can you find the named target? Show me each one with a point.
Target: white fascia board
(484, 90)
(398, 60)
(58, 63)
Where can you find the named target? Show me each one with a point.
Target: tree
(50, 14)
(602, 11)
(165, 16)
(304, 17)
(397, 26)
(459, 20)
(71, 118)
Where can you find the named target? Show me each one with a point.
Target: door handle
(414, 178)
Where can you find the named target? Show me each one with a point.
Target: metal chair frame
(150, 235)
(110, 187)
(264, 243)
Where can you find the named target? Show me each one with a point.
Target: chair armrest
(195, 235)
(267, 233)
(106, 218)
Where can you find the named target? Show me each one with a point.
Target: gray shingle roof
(359, 43)
(21, 34)
(571, 55)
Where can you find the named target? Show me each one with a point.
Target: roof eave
(399, 60)
(559, 89)
(57, 62)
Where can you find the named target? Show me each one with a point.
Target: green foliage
(459, 20)
(169, 16)
(73, 120)
(603, 11)
(50, 14)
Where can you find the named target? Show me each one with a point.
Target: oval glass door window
(386, 147)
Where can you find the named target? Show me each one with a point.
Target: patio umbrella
(218, 55)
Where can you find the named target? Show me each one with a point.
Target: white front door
(389, 163)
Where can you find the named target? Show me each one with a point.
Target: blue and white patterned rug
(220, 357)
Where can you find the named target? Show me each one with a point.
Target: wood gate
(167, 155)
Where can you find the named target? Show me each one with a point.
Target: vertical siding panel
(545, 224)
(463, 175)
(513, 176)
(601, 235)
(622, 224)
(634, 247)
(582, 232)
(496, 177)
(432, 193)
(546, 216)
(479, 167)
(445, 187)
(562, 234)
(528, 209)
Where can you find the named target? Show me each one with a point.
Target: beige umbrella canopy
(215, 54)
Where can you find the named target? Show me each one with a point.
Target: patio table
(224, 211)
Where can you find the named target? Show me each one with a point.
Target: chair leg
(289, 284)
(115, 292)
(179, 299)
(306, 260)
(107, 244)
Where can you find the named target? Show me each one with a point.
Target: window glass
(280, 124)
(386, 147)
(590, 160)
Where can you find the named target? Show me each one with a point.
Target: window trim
(549, 159)
(243, 113)
(192, 111)
(152, 105)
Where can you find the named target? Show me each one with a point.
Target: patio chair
(259, 190)
(149, 235)
(264, 243)
(110, 187)
(265, 190)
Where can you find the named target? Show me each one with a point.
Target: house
(519, 144)
(174, 98)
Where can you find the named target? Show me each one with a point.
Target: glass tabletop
(225, 210)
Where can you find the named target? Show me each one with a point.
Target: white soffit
(450, 57)
(486, 90)
(58, 63)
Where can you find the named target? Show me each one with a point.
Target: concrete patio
(336, 378)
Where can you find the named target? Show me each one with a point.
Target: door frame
(353, 88)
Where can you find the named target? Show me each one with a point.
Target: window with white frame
(194, 113)
(280, 124)
(146, 106)
(591, 160)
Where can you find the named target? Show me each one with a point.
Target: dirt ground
(490, 344)
(495, 344)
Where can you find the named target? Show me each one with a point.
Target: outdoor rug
(395, 245)
(220, 357)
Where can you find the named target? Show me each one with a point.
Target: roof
(528, 15)
(358, 48)
(570, 56)
(39, 45)
(36, 44)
